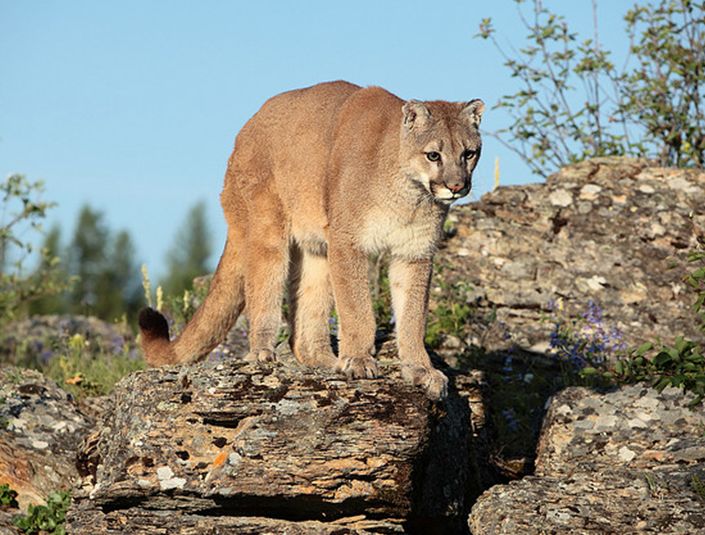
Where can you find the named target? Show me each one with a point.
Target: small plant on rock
(595, 353)
(587, 344)
(681, 364)
(84, 372)
(47, 518)
(8, 496)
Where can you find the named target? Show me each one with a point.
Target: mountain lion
(319, 179)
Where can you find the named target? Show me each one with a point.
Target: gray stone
(524, 247)
(606, 478)
(44, 428)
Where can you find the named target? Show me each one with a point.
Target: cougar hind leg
(310, 306)
(266, 268)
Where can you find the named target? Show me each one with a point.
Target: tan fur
(319, 179)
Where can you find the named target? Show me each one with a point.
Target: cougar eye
(469, 153)
(433, 156)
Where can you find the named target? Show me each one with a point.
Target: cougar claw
(358, 367)
(434, 383)
(260, 355)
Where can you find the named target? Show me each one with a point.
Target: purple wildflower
(510, 417)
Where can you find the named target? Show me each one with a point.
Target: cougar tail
(209, 325)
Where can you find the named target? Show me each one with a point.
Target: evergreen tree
(188, 258)
(108, 281)
(87, 259)
(118, 285)
(51, 251)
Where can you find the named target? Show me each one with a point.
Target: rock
(606, 229)
(7, 527)
(248, 447)
(42, 427)
(607, 479)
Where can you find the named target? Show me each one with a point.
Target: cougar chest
(410, 235)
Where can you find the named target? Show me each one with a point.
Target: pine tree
(105, 266)
(51, 251)
(188, 258)
(118, 286)
(87, 258)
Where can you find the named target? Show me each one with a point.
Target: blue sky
(133, 106)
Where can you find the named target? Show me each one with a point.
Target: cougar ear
(472, 112)
(415, 114)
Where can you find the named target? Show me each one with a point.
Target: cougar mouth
(442, 193)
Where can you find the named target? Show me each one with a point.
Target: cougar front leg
(349, 274)
(410, 281)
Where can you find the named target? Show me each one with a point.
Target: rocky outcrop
(630, 460)
(607, 229)
(229, 446)
(239, 445)
(41, 427)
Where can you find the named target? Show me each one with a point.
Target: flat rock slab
(631, 460)
(208, 444)
(136, 520)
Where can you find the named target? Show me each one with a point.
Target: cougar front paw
(434, 383)
(358, 367)
(260, 355)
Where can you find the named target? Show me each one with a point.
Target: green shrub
(47, 518)
(573, 103)
(8, 496)
(595, 354)
(23, 212)
(681, 364)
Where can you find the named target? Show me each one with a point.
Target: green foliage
(573, 103)
(665, 90)
(189, 256)
(381, 292)
(47, 518)
(696, 280)
(84, 371)
(681, 364)
(181, 308)
(449, 312)
(23, 212)
(698, 486)
(107, 275)
(448, 318)
(8, 496)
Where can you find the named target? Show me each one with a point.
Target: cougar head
(440, 145)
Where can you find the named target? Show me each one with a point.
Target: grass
(86, 373)
(81, 366)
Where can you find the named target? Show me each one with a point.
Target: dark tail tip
(153, 324)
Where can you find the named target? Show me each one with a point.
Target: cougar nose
(455, 187)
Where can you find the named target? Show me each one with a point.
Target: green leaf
(644, 348)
